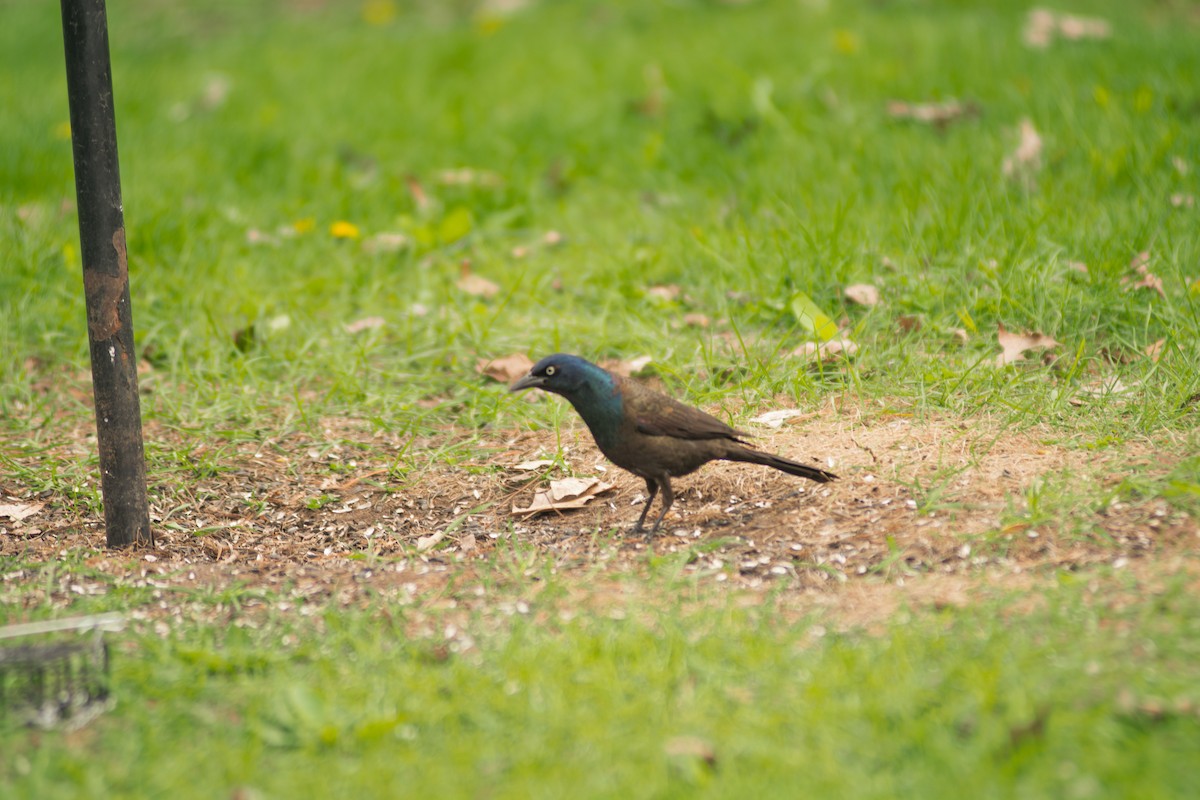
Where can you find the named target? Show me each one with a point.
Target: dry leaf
(909, 323)
(937, 114)
(530, 466)
(387, 242)
(864, 294)
(667, 293)
(425, 543)
(1027, 158)
(564, 494)
(826, 351)
(691, 747)
(19, 511)
(1043, 25)
(1148, 280)
(695, 320)
(630, 368)
(475, 285)
(775, 419)
(1154, 351)
(365, 324)
(1013, 346)
(961, 334)
(1077, 266)
(1183, 200)
(505, 369)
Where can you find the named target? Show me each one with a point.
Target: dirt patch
(936, 503)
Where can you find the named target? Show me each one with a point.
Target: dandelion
(343, 230)
(304, 225)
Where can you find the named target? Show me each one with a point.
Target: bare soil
(927, 510)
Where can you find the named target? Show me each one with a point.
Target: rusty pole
(105, 273)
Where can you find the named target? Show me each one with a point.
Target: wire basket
(56, 672)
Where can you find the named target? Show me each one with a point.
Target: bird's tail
(780, 463)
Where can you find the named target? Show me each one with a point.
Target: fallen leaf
(1013, 346)
(505, 369)
(961, 334)
(365, 324)
(826, 351)
(530, 466)
(666, 294)
(387, 242)
(1077, 266)
(19, 511)
(1183, 200)
(631, 368)
(476, 285)
(1148, 280)
(564, 494)
(939, 115)
(909, 323)
(1027, 158)
(863, 294)
(775, 419)
(1108, 387)
(1154, 351)
(695, 320)
(1043, 25)
(691, 747)
(425, 543)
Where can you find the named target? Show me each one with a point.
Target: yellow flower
(378, 12)
(304, 225)
(343, 230)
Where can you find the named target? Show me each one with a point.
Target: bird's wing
(658, 415)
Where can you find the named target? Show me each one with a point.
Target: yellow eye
(550, 371)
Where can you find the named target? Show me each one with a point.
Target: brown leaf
(695, 320)
(776, 419)
(1148, 280)
(667, 293)
(505, 369)
(1077, 266)
(1154, 351)
(365, 324)
(1043, 25)
(564, 494)
(691, 747)
(939, 115)
(863, 294)
(19, 511)
(531, 466)
(632, 367)
(1013, 346)
(476, 285)
(826, 351)
(909, 323)
(1027, 158)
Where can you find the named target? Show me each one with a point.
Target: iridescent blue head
(570, 376)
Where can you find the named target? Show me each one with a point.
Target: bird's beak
(530, 381)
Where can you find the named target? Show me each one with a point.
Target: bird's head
(562, 374)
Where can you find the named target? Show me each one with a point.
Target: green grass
(767, 166)
(741, 151)
(1092, 693)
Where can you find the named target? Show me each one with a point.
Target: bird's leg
(668, 499)
(652, 490)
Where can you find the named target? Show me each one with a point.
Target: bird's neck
(598, 401)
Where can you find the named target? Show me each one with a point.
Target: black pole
(105, 273)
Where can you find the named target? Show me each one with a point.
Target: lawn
(957, 240)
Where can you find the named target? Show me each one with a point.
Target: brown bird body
(647, 433)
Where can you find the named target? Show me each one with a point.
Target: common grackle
(648, 433)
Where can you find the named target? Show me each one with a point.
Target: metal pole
(105, 273)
